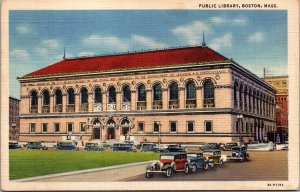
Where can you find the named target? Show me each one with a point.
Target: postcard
(149, 95)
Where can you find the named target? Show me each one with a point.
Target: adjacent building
(280, 83)
(179, 95)
(14, 121)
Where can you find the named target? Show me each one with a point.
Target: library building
(184, 95)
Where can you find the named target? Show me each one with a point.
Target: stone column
(165, 98)
(118, 101)
(149, 99)
(91, 101)
(133, 100)
(104, 102)
(199, 97)
(40, 103)
(181, 97)
(77, 102)
(64, 103)
(51, 104)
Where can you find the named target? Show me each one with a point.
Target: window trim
(42, 127)
(187, 126)
(56, 123)
(81, 123)
(211, 126)
(68, 127)
(31, 127)
(170, 128)
(158, 127)
(138, 122)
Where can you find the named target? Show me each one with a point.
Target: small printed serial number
(275, 184)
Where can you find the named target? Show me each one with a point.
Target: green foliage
(29, 163)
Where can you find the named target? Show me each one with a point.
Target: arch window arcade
(141, 97)
(190, 88)
(209, 94)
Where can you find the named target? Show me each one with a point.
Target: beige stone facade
(210, 97)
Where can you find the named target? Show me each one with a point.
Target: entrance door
(111, 133)
(96, 133)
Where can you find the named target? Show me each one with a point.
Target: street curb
(80, 171)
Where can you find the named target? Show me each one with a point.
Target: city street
(263, 166)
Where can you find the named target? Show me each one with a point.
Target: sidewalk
(105, 174)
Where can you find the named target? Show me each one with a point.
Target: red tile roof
(157, 58)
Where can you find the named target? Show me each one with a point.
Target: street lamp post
(240, 119)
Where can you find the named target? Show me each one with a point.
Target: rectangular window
(284, 83)
(173, 126)
(82, 126)
(190, 126)
(69, 127)
(156, 127)
(44, 127)
(32, 128)
(56, 127)
(208, 126)
(140, 126)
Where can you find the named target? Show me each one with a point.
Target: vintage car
(94, 146)
(168, 163)
(197, 161)
(36, 145)
(124, 147)
(206, 148)
(214, 157)
(214, 145)
(238, 153)
(228, 146)
(149, 146)
(66, 145)
(174, 148)
(14, 145)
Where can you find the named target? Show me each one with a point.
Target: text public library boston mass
(183, 95)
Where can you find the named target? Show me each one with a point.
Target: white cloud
(222, 42)
(85, 53)
(60, 57)
(147, 41)
(257, 37)
(191, 33)
(23, 29)
(20, 54)
(218, 20)
(223, 20)
(240, 21)
(51, 43)
(41, 51)
(107, 41)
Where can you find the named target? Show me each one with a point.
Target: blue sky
(254, 39)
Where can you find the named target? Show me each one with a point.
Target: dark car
(228, 146)
(174, 148)
(124, 147)
(197, 161)
(14, 145)
(148, 146)
(94, 146)
(238, 153)
(36, 145)
(214, 145)
(66, 145)
(167, 164)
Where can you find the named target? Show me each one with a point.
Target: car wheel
(221, 163)
(206, 166)
(169, 172)
(148, 175)
(194, 168)
(186, 169)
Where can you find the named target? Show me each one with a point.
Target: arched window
(190, 90)
(111, 94)
(241, 98)
(58, 97)
(142, 93)
(97, 95)
(173, 91)
(46, 98)
(71, 96)
(84, 95)
(157, 92)
(34, 99)
(235, 89)
(126, 94)
(253, 100)
(245, 98)
(209, 93)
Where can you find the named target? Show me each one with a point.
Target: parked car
(206, 147)
(149, 146)
(104, 144)
(14, 145)
(167, 164)
(66, 145)
(228, 146)
(94, 146)
(197, 161)
(124, 147)
(238, 153)
(174, 148)
(214, 157)
(36, 145)
(214, 145)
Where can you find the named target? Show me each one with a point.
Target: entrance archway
(125, 126)
(96, 134)
(111, 126)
